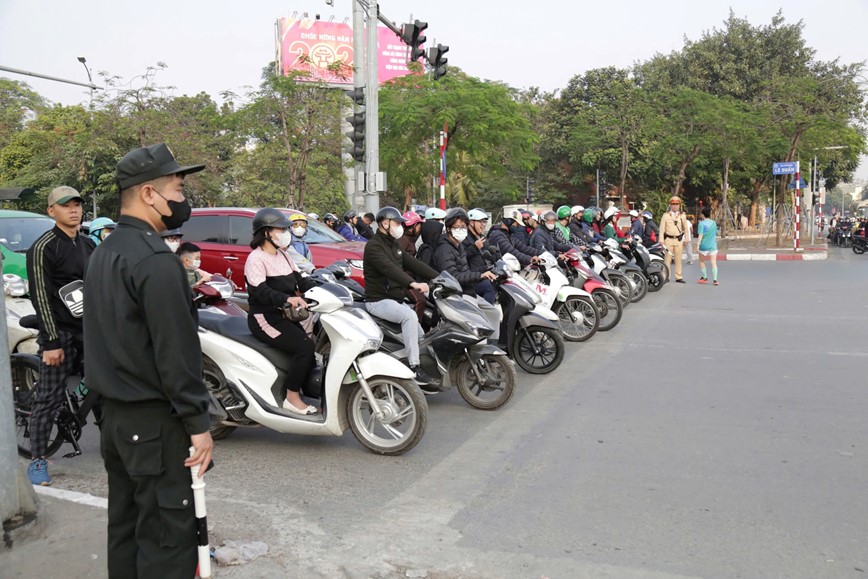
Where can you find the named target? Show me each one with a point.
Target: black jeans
(151, 520)
(274, 329)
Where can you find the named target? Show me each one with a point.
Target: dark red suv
(224, 233)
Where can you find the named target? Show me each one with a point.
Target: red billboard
(315, 46)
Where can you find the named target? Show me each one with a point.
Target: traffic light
(357, 136)
(815, 199)
(411, 34)
(436, 60)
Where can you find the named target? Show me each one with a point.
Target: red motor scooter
(605, 298)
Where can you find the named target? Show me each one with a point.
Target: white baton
(198, 487)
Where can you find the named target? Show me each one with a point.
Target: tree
(18, 103)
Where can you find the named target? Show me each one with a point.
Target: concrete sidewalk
(742, 250)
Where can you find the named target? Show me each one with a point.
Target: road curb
(812, 256)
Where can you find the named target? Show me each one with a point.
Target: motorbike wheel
(623, 288)
(858, 247)
(538, 350)
(214, 379)
(569, 312)
(665, 273)
(502, 377)
(406, 415)
(609, 307)
(641, 284)
(655, 281)
(847, 242)
(25, 376)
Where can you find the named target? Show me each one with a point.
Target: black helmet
(171, 233)
(349, 215)
(389, 213)
(454, 215)
(330, 217)
(270, 217)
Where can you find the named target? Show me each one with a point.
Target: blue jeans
(485, 290)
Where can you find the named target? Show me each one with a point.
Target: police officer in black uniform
(143, 356)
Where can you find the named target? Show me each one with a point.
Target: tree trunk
(292, 173)
(625, 157)
(725, 195)
(754, 202)
(408, 196)
(682, 170)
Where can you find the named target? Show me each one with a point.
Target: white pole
(372, 107)
(201, 520)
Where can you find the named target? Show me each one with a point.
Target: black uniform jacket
(53, 261)
(140, 325)
(386, 267)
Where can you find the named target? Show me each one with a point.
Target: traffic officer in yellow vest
(673, 228)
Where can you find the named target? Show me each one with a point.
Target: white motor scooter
(578, 316)
(21, 340)
(367, 391)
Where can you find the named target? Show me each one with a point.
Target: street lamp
(83, 62)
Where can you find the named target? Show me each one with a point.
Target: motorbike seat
(235, 328)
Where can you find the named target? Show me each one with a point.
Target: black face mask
(180, 212)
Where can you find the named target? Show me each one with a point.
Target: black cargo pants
(151, 520)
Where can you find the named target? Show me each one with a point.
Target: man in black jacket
(499, 238)
(144, 358)
(481, 255)
(56, 264)
(449, 254)
(387, 280)
(542, 238)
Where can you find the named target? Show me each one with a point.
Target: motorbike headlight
(14, 286)
(356, 263)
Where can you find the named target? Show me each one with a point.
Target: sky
(218, 45)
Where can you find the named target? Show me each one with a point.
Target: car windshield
(321, 233)
(19, 233)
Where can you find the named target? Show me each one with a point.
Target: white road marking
(72, 496)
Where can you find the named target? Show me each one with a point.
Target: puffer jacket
(542, 240)
(499, 238)
(449, 256)
(480, 260)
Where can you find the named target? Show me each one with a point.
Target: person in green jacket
(563, 221)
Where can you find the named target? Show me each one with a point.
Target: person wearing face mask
(430, 234)
(407, 243)
(143, 357)
(348, 228)
(274, 281)
(543, 239)
(191, 258)
(173, 238)
(449, 255)
(304, 259)
(389, 272)
(481, 255)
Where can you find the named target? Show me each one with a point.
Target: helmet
(477, 215)
(610, 212)
(563, 212)
(101, 223)
(576, 209)
(171, 233)
(675, 200)
(435, 213)
(647, 215)
(411, 218)
(589, 215)
(508, 221)
(297, 217)
(349, 215)
(454, 215)
(313, 215)
(634, 213)
(270, 217)
(330, 217)
(548, 215)
(389, 213)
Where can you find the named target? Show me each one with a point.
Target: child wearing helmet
(304, 257)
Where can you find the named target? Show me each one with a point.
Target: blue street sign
(784, 168)
(802, 184)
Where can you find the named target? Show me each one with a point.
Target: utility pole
(372, 122)
(83, 62)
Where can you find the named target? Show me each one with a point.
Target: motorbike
(457, 348)
(652, 268)
(860, 244)
(215, 296)
(658, 254)
(360, 388)
(604, 295)
(595, 258)
(578, 315)
(529, 331)
(619, 260)
(21, 339)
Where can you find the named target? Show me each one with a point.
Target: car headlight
(356, 263)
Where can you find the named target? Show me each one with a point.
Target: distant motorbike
(21, 339)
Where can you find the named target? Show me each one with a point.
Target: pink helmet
(411, 218)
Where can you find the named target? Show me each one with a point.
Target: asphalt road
(716, 432)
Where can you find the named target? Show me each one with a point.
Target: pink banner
(315, 46)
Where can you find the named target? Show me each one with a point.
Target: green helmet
(589, 215)
(563, 212)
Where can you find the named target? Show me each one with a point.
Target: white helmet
(435, 213)
(477, 215)
(634, 213)
(576, 209)
(610, 212)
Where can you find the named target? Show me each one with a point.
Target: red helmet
(411, 218)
